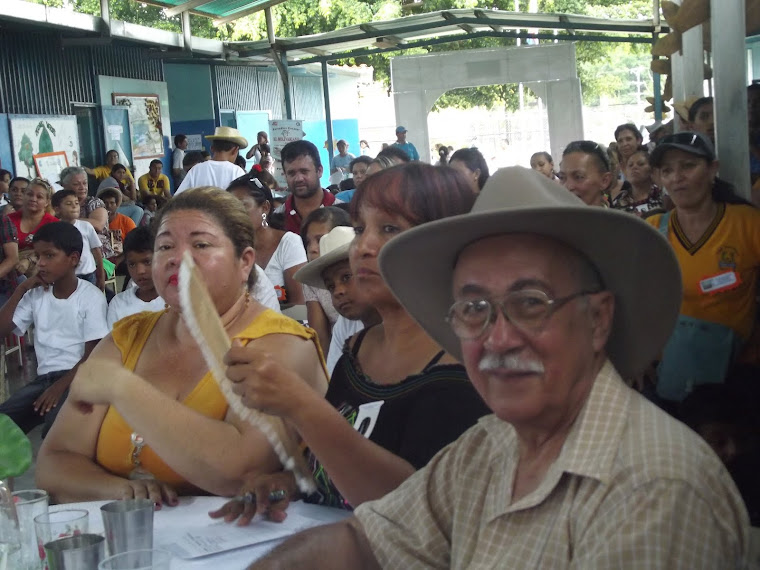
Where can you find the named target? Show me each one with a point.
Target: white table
(192, 514)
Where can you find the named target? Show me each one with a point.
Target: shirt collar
(589, 449)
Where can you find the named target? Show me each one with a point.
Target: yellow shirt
(158, 187)
(730, 245)
(103, 172)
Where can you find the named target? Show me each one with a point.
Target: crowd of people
(486, 356)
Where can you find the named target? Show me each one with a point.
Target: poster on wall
(42, 134)
(117, 134)
(281, 132)
(49, 166)
(144, 122)
(194, 142)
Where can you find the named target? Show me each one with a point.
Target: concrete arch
(549, 70)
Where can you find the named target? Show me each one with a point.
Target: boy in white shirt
(90, 266)
(69, 318)
(138, 253)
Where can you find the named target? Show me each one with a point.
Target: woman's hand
(152, 489)
(263, 383)
(96, 382)
(267, 495)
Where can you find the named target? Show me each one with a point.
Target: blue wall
(6, 159)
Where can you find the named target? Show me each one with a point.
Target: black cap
(687, 141)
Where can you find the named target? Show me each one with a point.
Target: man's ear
(602, 313)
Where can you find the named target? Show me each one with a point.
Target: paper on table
(217, 537)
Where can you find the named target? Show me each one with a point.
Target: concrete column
(565, 113)
(729, 55)
(328, 113)
(688, 67)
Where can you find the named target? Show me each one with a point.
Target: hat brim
(634, 261)
(311, 273)
(121, 195)
(659, 152)
(240, 141)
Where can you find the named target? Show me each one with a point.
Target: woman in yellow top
(144, 418)
(104, 171)
(715, 236)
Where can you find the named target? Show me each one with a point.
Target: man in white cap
(574, 469)
(407, 147)
(226, 142)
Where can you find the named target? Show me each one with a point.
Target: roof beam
(189, 5)
(482, 15)
(227, 18)
(448, 16)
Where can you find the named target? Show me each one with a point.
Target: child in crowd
(320, 312)
(69, 318)
(332, 272)
(119, 224)
(90, 268)
(150, 205)
(138, 252)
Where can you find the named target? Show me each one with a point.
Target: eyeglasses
(528, 310)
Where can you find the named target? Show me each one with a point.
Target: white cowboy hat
(418, 265)
(333, 247)
(228, 134)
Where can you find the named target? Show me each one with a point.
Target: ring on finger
(277, 495)
(249, 498)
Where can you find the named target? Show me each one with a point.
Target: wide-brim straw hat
(644, 275)
(117, 190)
(228, 134)
(333, 247)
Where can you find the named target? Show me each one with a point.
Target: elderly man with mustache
(574, 469)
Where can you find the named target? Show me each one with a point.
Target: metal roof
(448, 26)
(222, 11)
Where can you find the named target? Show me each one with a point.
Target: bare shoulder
(297, 354)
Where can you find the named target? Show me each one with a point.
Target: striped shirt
(631, 488)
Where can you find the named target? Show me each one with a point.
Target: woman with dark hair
(471, 163)
(542, 162)
(715, 235)
(144, 417)
(585, 171)
(321, 315)
(628, 139)
(280, 254)
(642, 196)
(395, 398)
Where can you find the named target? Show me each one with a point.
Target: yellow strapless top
(115, 447)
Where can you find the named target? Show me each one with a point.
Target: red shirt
(25, 240)
(293, 218)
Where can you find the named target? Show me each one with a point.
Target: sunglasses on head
(589, 147)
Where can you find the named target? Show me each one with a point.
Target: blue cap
(400, 129)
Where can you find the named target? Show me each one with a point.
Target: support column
(280, 61)
(729, 56)
(565, 112)
(328, 113)
(105, 14)
(688, 67)
(187, 35)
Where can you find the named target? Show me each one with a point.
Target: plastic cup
(79, 552)
(138, 560)
(128, 525)
(59, 524)
(29, 504)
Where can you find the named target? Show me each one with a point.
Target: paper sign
(281, 132)
(194, 142)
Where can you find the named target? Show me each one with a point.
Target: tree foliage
(603, 68)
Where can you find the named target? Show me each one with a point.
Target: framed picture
(49, 166)
(33, 135)
(117, 134)
(146, 132)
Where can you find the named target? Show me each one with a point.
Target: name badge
(718, 283)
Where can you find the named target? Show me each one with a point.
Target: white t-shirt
(128, 303)
(263, 291)
(217, 173)
(90, 240)
(61, 326)
(289, 252)
(344, 329)
(177, 157)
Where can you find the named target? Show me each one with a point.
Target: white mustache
(491, 361)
